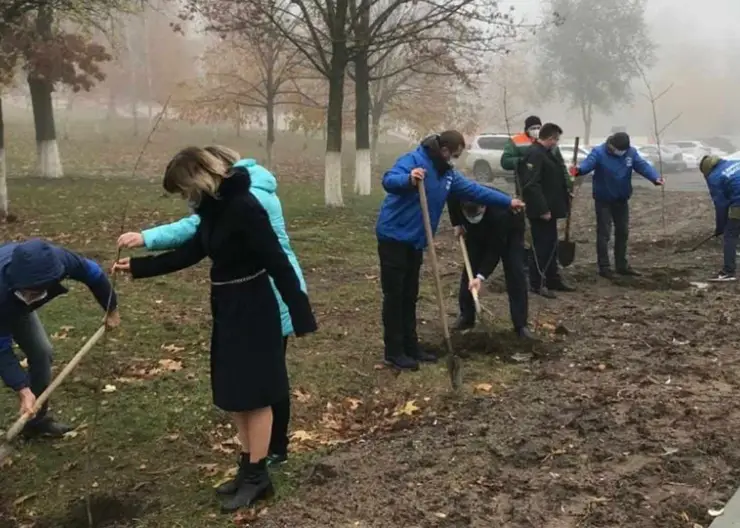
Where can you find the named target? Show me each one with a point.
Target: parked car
(567, 152)
(673, 159)
(695, 148)
(720, 143)
(483, 158)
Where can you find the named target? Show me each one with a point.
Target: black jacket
(235, 232)
(544, 183)
(489, 237)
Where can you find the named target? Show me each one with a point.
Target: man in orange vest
(514, 152)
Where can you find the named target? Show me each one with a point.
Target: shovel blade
(566, 253)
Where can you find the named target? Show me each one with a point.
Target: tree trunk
(270, 143)
(363, 156)
(333, 161)
(375, 115)
(3, 171)
(147, 63)
(586, 114)
(49, 163)
(133, 85)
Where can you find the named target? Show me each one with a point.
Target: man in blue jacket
(31, 274)
(401, 236)
(723, 180)
(612, 164)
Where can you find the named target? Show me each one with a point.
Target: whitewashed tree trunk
(363, 172)
(333, 179)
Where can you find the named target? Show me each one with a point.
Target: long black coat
(247, 366)
(544, 183)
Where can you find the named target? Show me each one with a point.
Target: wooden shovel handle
(469, 271)
(17, 427)
(435, 266)
(570, 211)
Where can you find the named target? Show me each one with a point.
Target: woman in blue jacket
(170, 236)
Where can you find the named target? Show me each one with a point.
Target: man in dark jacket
(31, 273)
(612, 164)
(401, 236)
(491, 235)
(546, 191)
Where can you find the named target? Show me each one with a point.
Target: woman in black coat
(248, 371)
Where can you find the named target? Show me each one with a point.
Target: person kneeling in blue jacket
(402, 239)
(170, 236)
(723, 180)
(612, 164)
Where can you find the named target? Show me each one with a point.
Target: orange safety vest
(522, 140)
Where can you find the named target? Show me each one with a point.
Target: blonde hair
(195, 171)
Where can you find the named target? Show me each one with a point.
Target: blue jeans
(29, 334)
(732, 233)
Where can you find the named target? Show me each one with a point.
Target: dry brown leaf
(483, 387)
(408, 409)
(354, 403)
(21, 500)
(210, 470)
(172, 348)
(109, 388)
(172, 437)
(244, 517)
(301, 396)
(170, 364)
(302, 436)
(547, 326)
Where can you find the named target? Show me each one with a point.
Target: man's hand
(660, 181)
(547, 216)
(27, 400)
(416, 176)
(113, 320)
(516, 204)
(123, 265)
(573, 171)
(475, 286)
(131, 240)
(459, 231)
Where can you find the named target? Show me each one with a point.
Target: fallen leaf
(23, 499)
(483, 387)
(109, 388)
(210, 470)
(170, 364)
(301, 396)
(716, 513)
(172, 437)
(71, 434)
(547, 326)
(244, 517)
(301, 436)
(408, 409)
(354, 403)
(172, 348)
(441, 515)
(378, 366)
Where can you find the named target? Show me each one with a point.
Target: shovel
(566, 248)
(695, 246)
(453, 360)
(17, 427)
(469, 271)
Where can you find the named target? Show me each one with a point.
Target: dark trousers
(399, 277)
(732, 233)
(544, 261)
(618, 214)
(29, 334)
(511, 253)
(280, 420)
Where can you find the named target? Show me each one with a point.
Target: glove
(573, 171)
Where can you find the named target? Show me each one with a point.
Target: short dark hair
(452, 139)
(549, 131)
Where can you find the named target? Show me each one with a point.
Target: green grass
(157, 438)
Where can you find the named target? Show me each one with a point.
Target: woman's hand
(123, 265)
(27, 401)
(131, 240)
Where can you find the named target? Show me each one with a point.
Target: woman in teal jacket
(170, 236)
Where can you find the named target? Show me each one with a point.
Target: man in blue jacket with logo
(723, 180)
(31, 275)
(401, 236)
(612, 164)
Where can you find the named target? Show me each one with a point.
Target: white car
(567, 152)
(695, 148)
(483, 158)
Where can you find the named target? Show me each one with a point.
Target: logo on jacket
(731, 170)
(628, 161)
(448, 182)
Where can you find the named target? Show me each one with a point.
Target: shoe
(276, 459)
(463, 323)
(525, 334)
(561, 286)
(402, 362)
(256, 486)
(629, 272)
(230, 487)
(46, 427)
(421, 355)
(723, 276)
(544, 292)
(606, 273)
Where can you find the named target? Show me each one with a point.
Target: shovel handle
(17, 427)
(469, 271)
(570, 209)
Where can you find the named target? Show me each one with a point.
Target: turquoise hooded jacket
(264, 187)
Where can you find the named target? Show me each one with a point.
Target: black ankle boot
(256, 486)
(230, 487)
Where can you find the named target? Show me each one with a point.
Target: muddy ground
(629, 421)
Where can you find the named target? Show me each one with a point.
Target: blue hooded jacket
(264, 188)
(612, 180)
(400, 218)
(724, 187)
(36, 264)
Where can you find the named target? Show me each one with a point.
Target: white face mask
(38, 297)
(476, 217)
(534, 132)
(619, 153)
